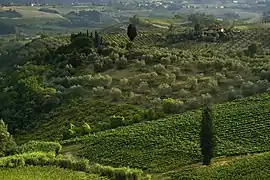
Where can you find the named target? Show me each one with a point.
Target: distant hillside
(41, 1)
(88, 18)
(9, 14)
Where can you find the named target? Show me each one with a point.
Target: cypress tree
(207, 135)
(97, 40)
(131, 32)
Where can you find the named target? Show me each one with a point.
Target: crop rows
(172, 142)
(249, 167)
(148, 38)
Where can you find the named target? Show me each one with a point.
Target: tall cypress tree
(207, 135)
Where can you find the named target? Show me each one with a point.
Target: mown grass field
(242, 127)
(44, 173)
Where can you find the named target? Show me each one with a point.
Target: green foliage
(7, 144)
(95, 113)
(253, 49)
(170, 105)
(40, 146)
(49, 159)
(174, 141)
(45, 172)
(69, 132)
(116, 121)
(86, 129)
(249, 167)
(118, 173)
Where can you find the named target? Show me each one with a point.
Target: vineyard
(239, 41)
(143, 38)
(137, 105)
(250, 167)
(242, 127)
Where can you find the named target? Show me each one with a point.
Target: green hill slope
(249, 167)
(242, 127)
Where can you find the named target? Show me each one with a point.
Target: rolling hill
(158, 146)
(137, 104)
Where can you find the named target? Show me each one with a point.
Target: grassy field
(174, 141)
(42, 173)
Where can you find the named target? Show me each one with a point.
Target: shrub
(249, 88)
(164, 90)
(123, 82)
(139, 64)
(159, 68)
(70, 132)
(7, 144)
(115, 94)
(86, 129)
(118, 173)
(116, 121)
(170, 105)
(49, 159)
(265, 75)
(170, 78)
(98, 91)
(40, 146)
(121, 63)
(143, 87)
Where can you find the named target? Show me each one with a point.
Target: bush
(249, 88)
(7, 143)
(118, 173)
(49, 159)
(171, 105)
(39, 146)
(86, 129)
(116, 121)
(115, 94)
(159, 68)
(164, 90)
(121, 63)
